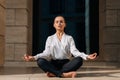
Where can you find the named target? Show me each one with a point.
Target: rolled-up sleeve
(75, 52)
(46, 53)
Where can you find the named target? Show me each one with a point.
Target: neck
(59, 34)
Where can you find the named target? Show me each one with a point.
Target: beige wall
(18, 29)
(111, 31)
(109, 27)
(101, 25)
(2, 31)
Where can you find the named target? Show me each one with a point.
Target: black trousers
(58, 67)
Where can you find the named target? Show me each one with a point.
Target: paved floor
(34, 73)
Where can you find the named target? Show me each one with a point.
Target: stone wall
(110, 30)
(18, 29)
(2, 31)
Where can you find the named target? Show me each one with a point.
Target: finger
(95, 53)
(94, 56)
(26, 58)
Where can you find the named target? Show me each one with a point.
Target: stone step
(93, 64)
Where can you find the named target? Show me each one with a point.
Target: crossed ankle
(64, 75)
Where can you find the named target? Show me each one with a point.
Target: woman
(56, 60)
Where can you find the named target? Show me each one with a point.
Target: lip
(60, 26)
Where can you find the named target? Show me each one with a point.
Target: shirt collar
(55, 35)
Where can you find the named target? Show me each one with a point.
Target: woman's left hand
(92, 56)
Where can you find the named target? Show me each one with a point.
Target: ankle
(69, 74)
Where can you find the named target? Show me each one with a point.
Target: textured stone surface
(111, 35)
(9, 55)
(112, 52)
(16, 17)
(16, 34)
(10, 17)
(111, 18)
(2, 31)
(2, 21)
(2, 2)
(16, 3)
(118, 17)
(2, 47)
(16, 30)
(113, 4)
(21, 17)
(20, 50)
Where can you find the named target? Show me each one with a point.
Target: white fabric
(64, 49)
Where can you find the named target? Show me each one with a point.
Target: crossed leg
(68, 70)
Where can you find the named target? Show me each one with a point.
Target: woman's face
(59, 23)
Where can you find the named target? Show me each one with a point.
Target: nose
(59, 23)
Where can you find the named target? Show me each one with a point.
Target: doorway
(74, 12)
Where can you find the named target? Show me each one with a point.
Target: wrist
(88, 58)
(31, 58)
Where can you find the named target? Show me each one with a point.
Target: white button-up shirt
(60, 49)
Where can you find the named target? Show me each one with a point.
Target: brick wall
(2, 31)
(18, 27)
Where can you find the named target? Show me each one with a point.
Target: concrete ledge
(86, 64)
(100, 64)
(20, 64)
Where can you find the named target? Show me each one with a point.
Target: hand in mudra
(28, 57)
(92, 56)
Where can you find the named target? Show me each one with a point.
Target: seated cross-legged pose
(60, 58)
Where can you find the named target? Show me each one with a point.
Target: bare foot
(69, 75)
(50, 74)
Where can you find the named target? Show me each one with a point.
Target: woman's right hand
(28, 57)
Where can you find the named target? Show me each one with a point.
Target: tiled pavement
(34, 73)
